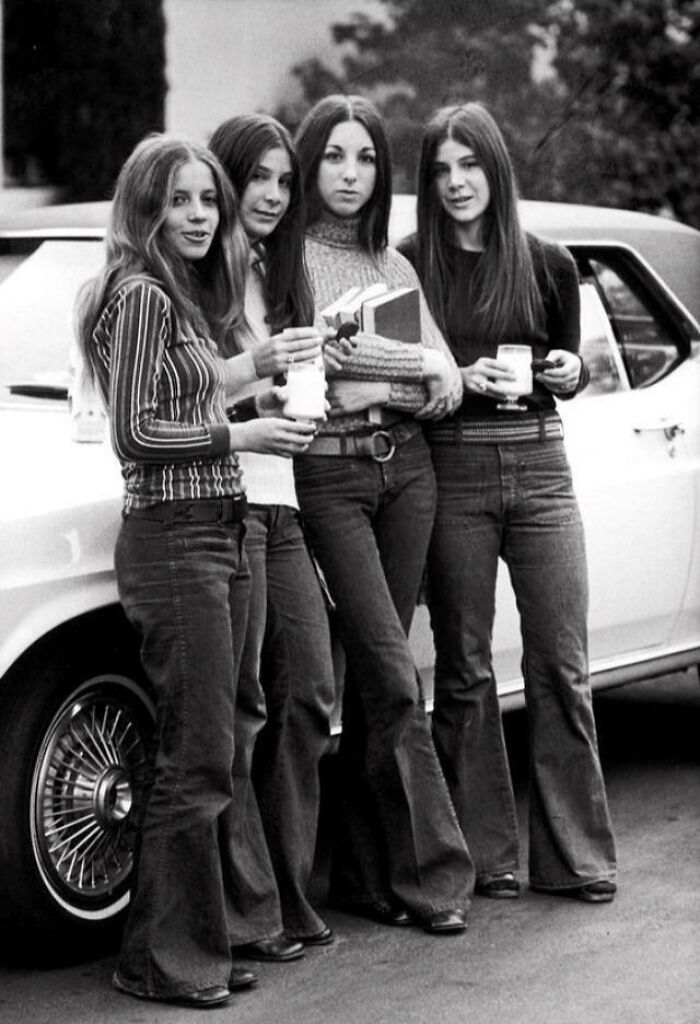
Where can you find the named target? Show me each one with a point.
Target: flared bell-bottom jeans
(287, 690)
(397, 837)
(516, 502)
(186, 587)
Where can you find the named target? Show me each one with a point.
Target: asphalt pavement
(535, 960)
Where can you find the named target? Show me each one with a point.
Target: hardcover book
(330, 312)
(352, 309)
(395, 314)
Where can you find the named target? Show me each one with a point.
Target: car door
(633, 438)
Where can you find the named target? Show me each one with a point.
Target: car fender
(32, 620)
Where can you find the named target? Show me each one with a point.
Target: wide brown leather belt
(380, 445)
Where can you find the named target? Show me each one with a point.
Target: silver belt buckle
(392, 447)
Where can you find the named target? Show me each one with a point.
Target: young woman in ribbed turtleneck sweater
(367, 495)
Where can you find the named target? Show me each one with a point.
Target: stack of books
(390, 312)
(377, 309)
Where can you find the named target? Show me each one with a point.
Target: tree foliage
(598, 101)
(85, 81)
(631, 77)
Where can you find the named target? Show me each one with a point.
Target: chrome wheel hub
(86, 789)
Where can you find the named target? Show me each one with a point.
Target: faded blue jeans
(516, 502)
(185, 587)
(397, 837)
(286, 681)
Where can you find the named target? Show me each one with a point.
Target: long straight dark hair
(240, 143)
(507, 300)
(311, 140)
(207, 296)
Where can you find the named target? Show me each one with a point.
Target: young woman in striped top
(153, 327)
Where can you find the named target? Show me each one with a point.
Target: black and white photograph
(350, 527)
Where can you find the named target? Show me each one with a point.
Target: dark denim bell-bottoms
(185, 587)
(287, 685)
(398, 839)
(516, 502)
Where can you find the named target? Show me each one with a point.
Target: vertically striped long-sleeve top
(164, 389)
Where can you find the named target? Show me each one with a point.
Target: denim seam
(176, 603)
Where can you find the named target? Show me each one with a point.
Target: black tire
(74, 732)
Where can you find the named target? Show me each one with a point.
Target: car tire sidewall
(33, 917)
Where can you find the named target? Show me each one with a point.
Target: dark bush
(85, 80)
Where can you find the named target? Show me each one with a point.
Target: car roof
(672, 249)
(76, 220)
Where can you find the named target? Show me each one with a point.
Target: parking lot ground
(536, 960)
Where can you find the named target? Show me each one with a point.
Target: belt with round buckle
(389, 440)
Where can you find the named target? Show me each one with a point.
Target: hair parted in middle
(507, 298)
(311, 140)
(207, 295)
(240, 143)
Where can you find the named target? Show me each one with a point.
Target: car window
(647, 347)
(649, 338)
(599, 347)
(37, 297)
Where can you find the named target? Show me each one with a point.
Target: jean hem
(121, 985)
(545, 887)
(268, 933)
(505, 869)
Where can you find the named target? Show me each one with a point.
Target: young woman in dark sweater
(505, 491)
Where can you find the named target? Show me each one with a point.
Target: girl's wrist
(433, 363)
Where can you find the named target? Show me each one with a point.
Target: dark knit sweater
(559, 327)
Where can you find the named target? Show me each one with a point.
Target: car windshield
(37, 296)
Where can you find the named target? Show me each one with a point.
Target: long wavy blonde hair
(207, 295)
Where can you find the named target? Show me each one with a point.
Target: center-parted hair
(240, 143)
(207, 294)
(505, 293)
(311, 140)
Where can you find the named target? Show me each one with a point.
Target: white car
(75, 713)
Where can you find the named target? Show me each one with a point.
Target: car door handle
(671, 428)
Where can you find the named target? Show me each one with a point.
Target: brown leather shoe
(444, 922)
(382, 913)
(322, 938)
(200, 999)
(592, 892)
(241, 977)
(498, 887)
(278, 949)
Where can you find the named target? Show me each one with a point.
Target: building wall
(227, 57)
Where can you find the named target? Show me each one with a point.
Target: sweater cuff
(378, 358)
(220, 439)
(583, 381)
(406, 397)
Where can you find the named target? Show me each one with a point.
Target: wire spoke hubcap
(87, 788)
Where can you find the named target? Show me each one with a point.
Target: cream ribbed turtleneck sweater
(335, 262)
